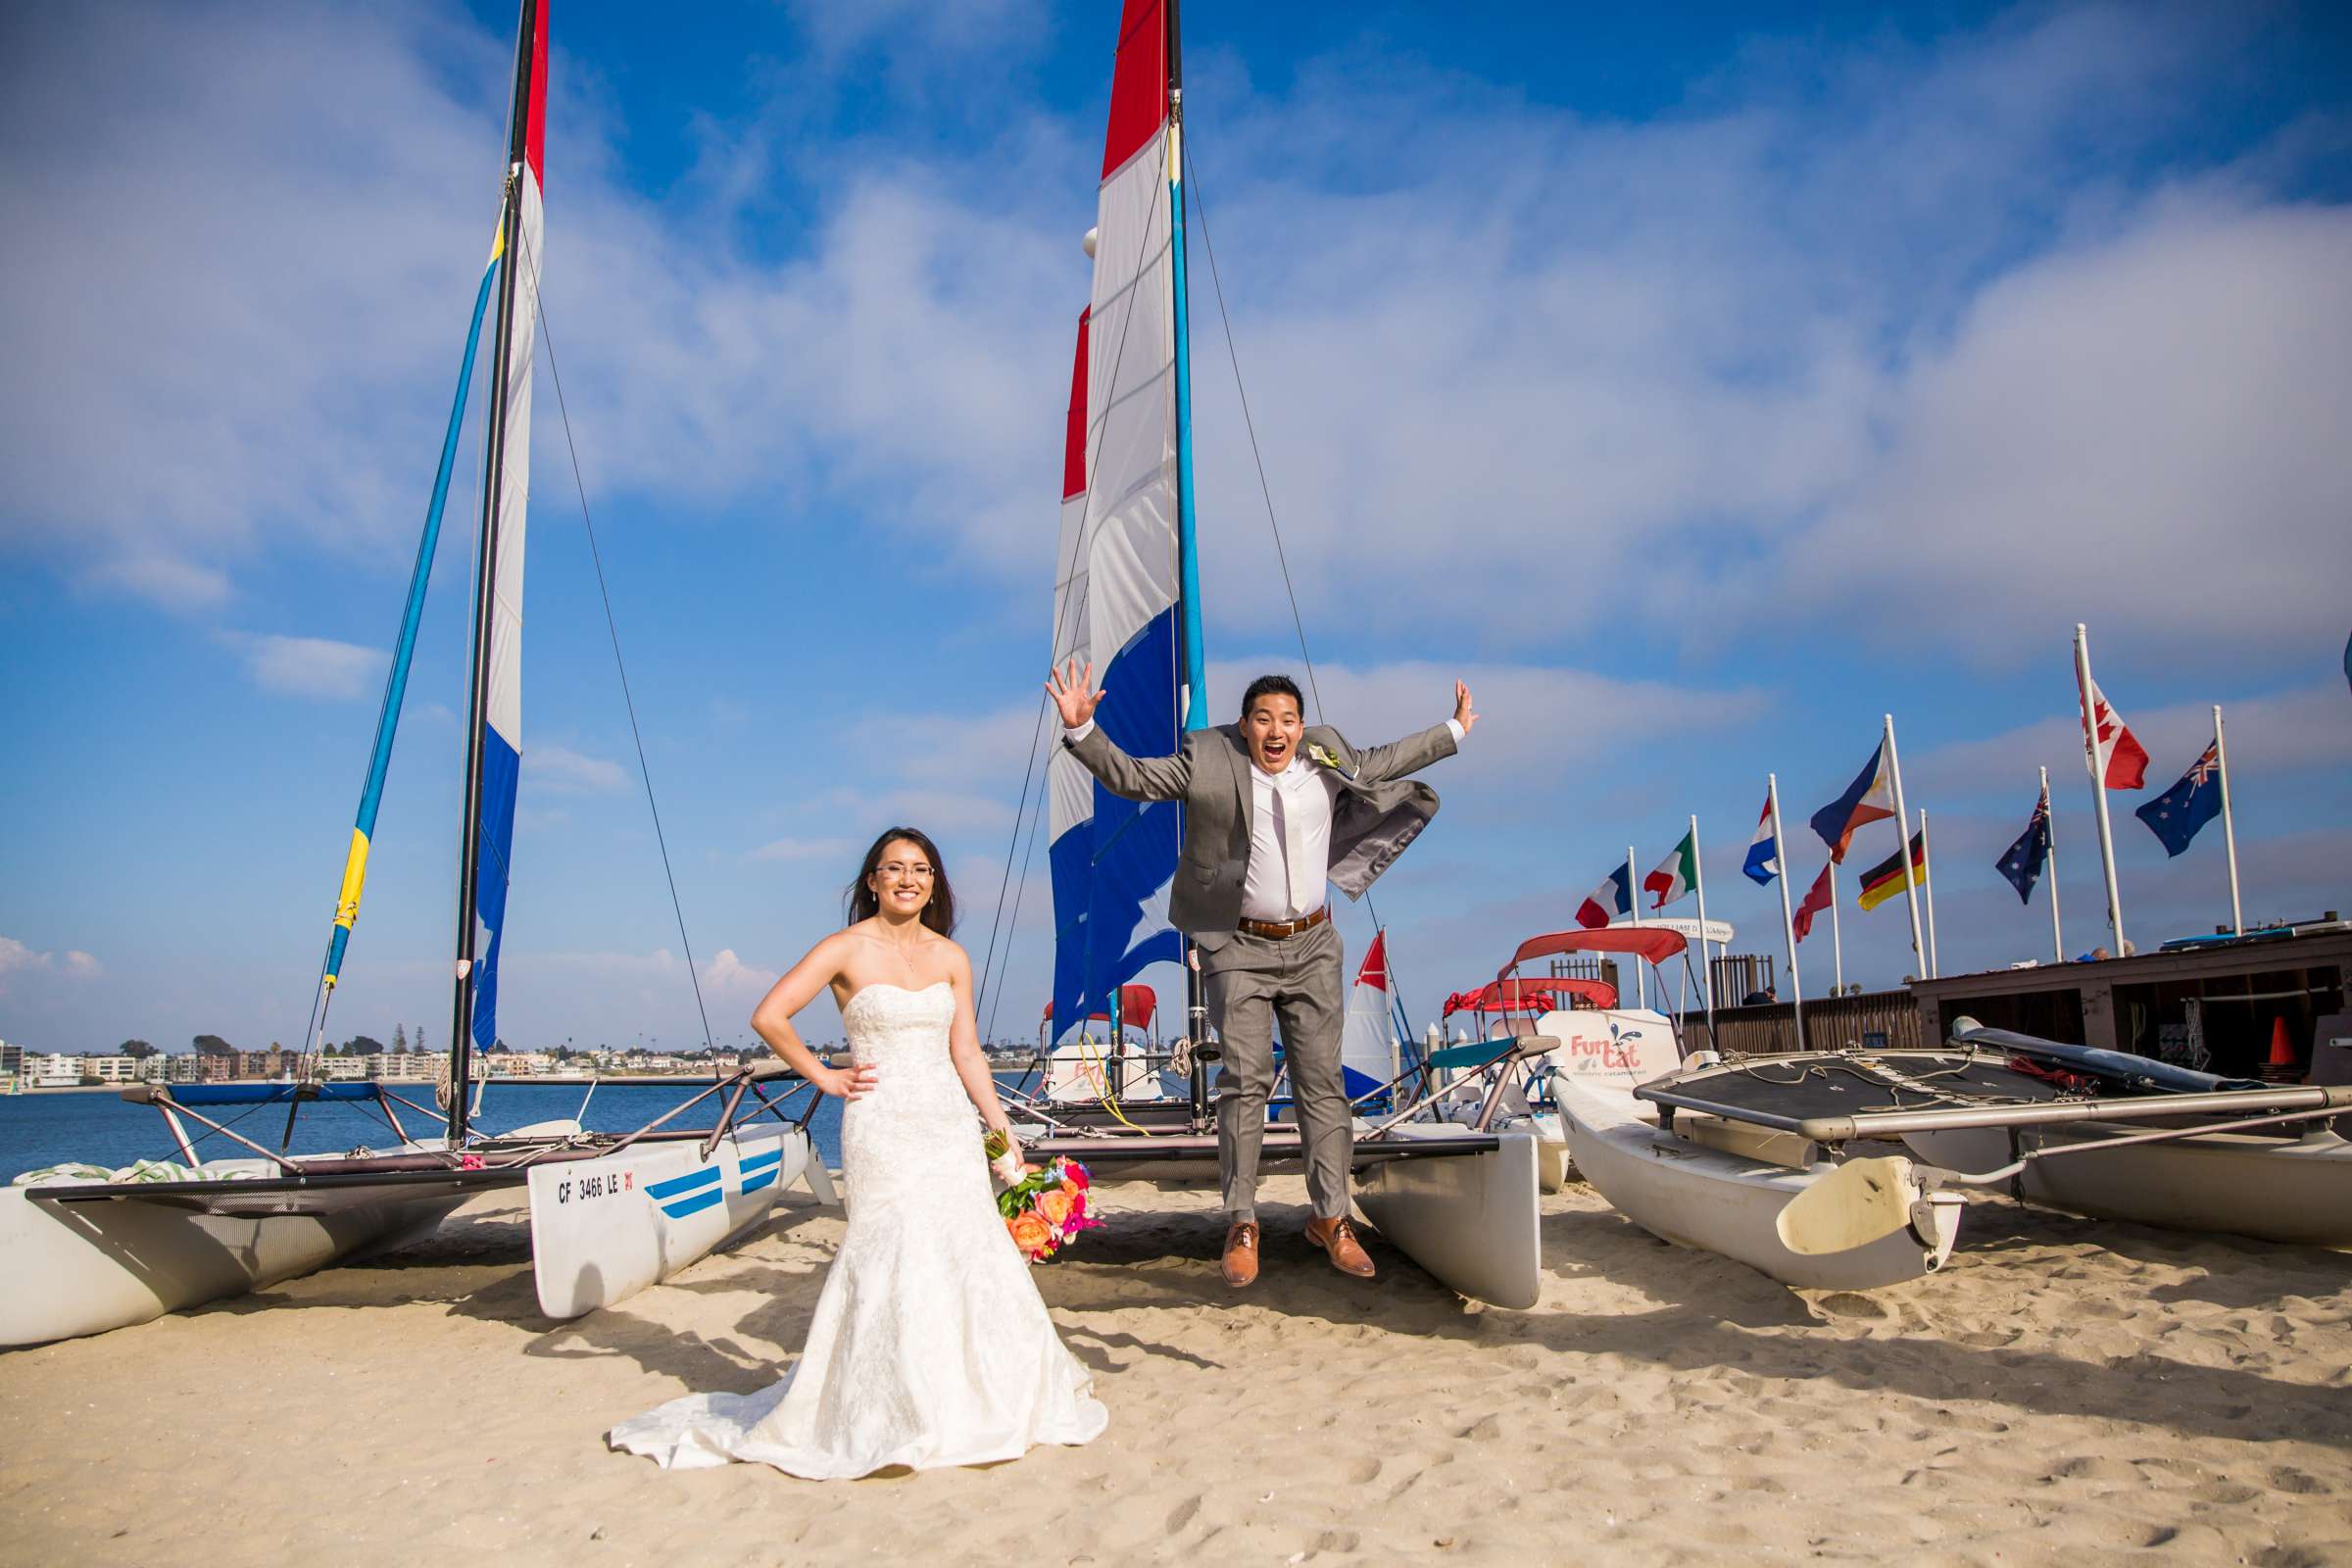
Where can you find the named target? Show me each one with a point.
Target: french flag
(1763, 854)
(1614, 897)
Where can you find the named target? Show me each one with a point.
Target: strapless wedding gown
(929, 1347)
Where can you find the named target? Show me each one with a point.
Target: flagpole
(1706, 965)
(2098, 784)
(1902, 824)
(2049, 820)
(1633, 903)
(2221, 759)
(1837, 937)
(1926, 874)
(1780, 853)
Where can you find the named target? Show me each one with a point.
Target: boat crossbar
(2317, 1098)
(2161, 1135)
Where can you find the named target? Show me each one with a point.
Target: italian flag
(1676, 874)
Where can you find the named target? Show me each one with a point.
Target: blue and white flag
(2196, 799)
(2022, 861)
(1763, 854)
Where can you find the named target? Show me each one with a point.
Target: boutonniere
(1317, 753)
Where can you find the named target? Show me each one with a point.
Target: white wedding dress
(929, 1347)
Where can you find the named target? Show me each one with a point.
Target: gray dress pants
(1251, 982)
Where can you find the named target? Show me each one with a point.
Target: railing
(1882, 1020)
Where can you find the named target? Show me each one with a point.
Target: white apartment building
(335, 1069)
(395, 1065)
(111, 1070)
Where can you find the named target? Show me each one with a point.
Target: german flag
(1886, 879)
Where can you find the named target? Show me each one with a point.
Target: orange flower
(1055, 1204)
(1029, 1234)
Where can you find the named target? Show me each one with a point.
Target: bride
(929, 1347)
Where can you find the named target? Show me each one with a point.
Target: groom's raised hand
(1073, 693)
(1462, 712)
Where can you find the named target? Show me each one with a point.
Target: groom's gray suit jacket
(1374, 812)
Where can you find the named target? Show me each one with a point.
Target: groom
(1273, 811)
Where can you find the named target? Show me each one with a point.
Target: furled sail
(1118, 574)
(499, 648)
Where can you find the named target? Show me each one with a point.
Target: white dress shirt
(1290, 835)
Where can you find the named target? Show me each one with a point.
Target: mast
(522, 181)
(1190, 657)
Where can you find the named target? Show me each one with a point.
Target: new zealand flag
(2176, 816)
(2023, 862)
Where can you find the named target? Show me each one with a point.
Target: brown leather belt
(1278, 929)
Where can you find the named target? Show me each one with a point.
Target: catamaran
(83, 1248)
(1460, 1201)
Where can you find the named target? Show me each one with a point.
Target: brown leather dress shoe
(1241, 1254)
(1337, 1238)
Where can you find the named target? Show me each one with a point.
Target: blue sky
(1700, 384)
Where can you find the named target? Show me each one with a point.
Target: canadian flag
(2123, 763)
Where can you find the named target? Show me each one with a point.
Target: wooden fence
(1881, 1020)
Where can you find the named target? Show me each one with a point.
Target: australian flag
(2176, 816)
(2023, 862)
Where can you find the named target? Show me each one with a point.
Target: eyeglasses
(902, 868)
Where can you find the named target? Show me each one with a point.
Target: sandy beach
(2063, 1390)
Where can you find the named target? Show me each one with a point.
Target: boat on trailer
(1460, 1201)
(85, 1250)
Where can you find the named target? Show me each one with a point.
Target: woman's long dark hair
(861, 905)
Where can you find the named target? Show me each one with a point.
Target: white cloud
(308, 667)
(727, 976)
(559, 769)
(16, 958)
(161, 579)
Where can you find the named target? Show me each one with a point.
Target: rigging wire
(1019, 889)
(612, 628)
(1233, 357)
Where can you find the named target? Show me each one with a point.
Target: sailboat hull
(2272, 1188)
(602, 1230)
(88, 1268)
(1472, 1221)
(1727, 1202)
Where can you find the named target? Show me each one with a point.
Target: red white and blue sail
(1120, 593)
(1369, 1042)
(509, 484)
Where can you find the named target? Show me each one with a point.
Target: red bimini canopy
(1531, 996)
(1137, 1005)
(1655, 943)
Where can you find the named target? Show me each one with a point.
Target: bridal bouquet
(1046, 1209)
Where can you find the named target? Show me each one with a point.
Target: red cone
(2284, 1068)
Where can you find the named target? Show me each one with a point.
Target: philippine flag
(1870, 798)
(1763, 854)
(1614, 897)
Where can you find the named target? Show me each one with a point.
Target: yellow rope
(1102, 1079)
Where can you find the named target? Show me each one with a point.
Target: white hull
(1611, 1050)
(1473, 1221)
(84, 1268)
(602, 1230)
(2236, 1184)
(1730, 1203)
